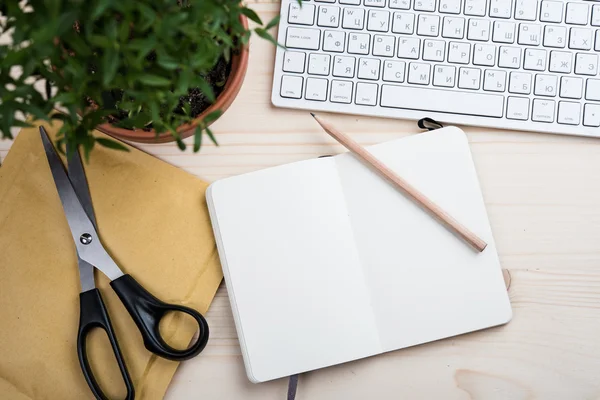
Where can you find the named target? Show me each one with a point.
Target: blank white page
(325, 262)
(292, 270)
(425, 283)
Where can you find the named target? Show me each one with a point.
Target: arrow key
(293, 61)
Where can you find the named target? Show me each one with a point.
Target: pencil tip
(313, 114)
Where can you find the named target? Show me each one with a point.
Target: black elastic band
(429, 123)
(292, 387)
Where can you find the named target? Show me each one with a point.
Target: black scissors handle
(93, 315)
(147, 311)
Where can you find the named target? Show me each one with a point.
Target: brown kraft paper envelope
(152, 218)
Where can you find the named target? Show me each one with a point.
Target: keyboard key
(329, 16)
(526, 10)
(517, 108)
(450, 6)
(418, 73)
(403, 23)
(318, 64)
(535, 60)
(349, 2)
(581, 39)
(479, 29)
(323, 1)
(393, 71)
(316, 89)
(596, 15)
(586, 64)
(374, 3)
(425, 5)
(428, 25)
(334, 41)
(475, 7)
(530, 34)
(484, 54)
(354, 18)
(510, 57)
(438, 100)
(500, 8)
(577, 13)
(520, 83)
(368, 68)
(469, 78)
(459, 53)
(545, 85)
(504, 32)
(561, 61)
(552, 11)
(591, 115)
(569, 113)
(366, 94)
(592, 91)
(293, 61)
(444, 76)
(543, 110)
(291, 86)
(571, 87)
(384, 45)
(434, 50)
(494, 80)
(341, 91)
(408, 47)
(343, 66)
(304, 15)
(453, 27)
(555, 36)
(400, 4)
(302, 38)
(597, 47)
(378, 21)
(358, 43)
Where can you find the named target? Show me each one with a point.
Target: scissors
(145, 309)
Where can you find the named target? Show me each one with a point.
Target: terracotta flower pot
(239, 65)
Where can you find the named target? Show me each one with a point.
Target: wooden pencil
(410, 191)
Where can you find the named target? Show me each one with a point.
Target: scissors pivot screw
(86, 238)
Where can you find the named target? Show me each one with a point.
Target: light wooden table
(543, 196)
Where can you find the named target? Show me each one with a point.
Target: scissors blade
(79, 182)
(86, 274)
(84, 234)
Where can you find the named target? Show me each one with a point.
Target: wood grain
(542, 194)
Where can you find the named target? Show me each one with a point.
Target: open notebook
(325, 262)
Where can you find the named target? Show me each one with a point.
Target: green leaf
(154, 80)
(143, 46)
(111, 144)
(206, 89)
(197, 139)
(183, 83)
(273, 22)
(99, 40)
(110, 63)
(251, 15)
(65, 98)
(266, 35)
(211, 136)
(100, 8)
(213, 116)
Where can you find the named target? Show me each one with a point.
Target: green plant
(128, 61)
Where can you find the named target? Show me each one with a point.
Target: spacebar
(447, 101)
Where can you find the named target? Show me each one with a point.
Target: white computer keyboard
(515, 64)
